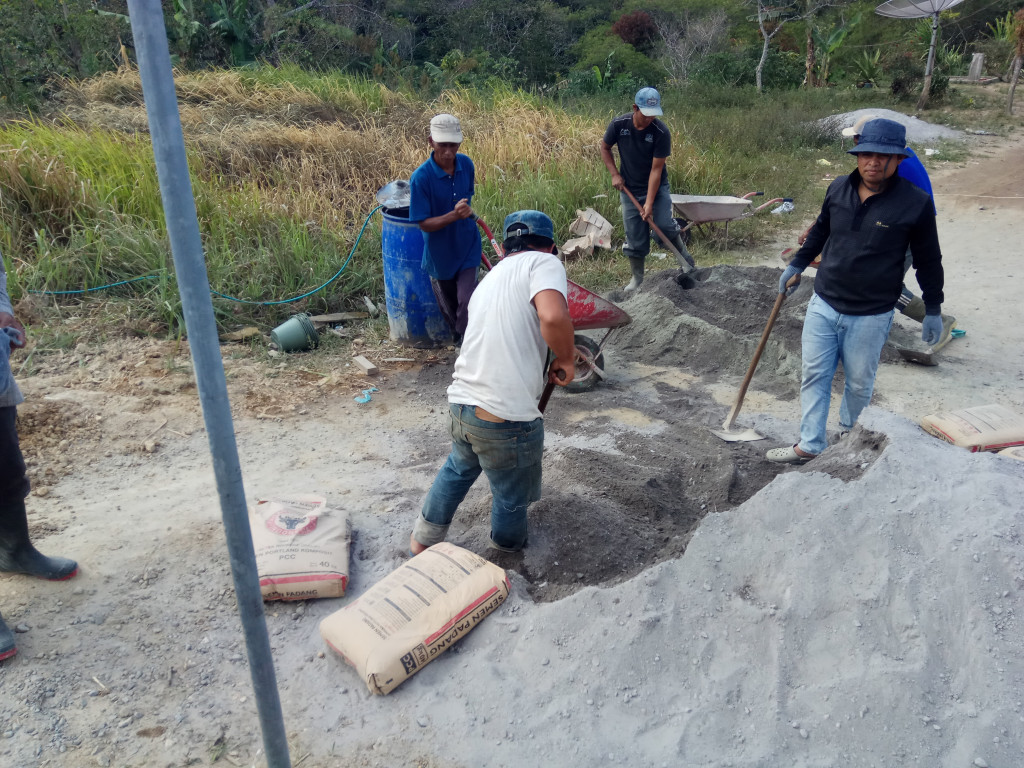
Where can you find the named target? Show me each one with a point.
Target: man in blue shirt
(644, 144)
(441, 190)
(17, 555)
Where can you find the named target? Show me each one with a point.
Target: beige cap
(446, 129)
(856, 128)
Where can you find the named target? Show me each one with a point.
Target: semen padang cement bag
(980, 428)
(302, 547)
(590, 223)
(414, 614)
(1013, 453)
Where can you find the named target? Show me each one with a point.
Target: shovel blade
(737, 436)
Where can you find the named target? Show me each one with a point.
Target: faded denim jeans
(828, 338)
(509, 453)
(638, 231)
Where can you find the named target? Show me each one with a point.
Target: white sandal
(787, 456)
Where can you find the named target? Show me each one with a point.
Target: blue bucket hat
(649, 102)
(886, 137)
(533, 223)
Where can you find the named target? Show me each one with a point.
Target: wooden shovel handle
(731, 420)
(655, 227)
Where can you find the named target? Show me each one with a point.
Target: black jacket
(863, 247)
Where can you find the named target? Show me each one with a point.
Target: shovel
(685, 280)
(729, 433)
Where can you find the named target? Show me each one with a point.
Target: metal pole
(926, 89)
(193, 284)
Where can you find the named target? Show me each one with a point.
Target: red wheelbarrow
(589, 312)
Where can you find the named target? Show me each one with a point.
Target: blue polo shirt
(434, 193)
(912, 169)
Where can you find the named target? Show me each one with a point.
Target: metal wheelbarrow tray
(711, 209)
(591, 312)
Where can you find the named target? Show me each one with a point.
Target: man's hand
(561, 371)
(648, 210)
(618, 182)
(787, 274)
(7, 320)
(931, 329)
(462, 209)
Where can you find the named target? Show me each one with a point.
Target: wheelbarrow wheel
(587, 357)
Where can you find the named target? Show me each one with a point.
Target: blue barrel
(413, 315)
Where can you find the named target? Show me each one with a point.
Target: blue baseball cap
(534, 223)
(885, 137)
(649, 102)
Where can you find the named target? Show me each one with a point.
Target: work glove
(788, 273)
(931, 328)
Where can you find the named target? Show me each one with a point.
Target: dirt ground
(139, 661)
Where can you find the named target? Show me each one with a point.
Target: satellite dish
(919, 9)
(914, 9)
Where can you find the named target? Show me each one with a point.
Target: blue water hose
(224, 295)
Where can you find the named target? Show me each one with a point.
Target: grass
(285, 163)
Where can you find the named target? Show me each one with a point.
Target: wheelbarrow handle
(752, 194)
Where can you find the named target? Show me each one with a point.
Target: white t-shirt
(501, 366)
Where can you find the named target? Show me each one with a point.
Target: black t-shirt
(637, 150)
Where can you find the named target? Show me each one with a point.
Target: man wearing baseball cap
(644, 143)
(517, 313)
(868, 221)
(441, 190)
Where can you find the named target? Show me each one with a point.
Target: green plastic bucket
(296, 334)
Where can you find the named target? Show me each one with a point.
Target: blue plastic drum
(414, 318)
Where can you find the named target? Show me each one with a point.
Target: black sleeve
(816, 238)
(924, 247)
(611, 136)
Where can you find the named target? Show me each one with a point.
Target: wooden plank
(337, 317)
(368, 368)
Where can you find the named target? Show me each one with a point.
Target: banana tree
(826, 42)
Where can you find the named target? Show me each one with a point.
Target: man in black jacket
(866, 224)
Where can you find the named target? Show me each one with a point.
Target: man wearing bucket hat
(17, 554)
(517, 313)
(644, 143)
(441, 191)
(868, 221)
(913, 170)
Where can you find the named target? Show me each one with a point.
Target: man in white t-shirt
(516, 314)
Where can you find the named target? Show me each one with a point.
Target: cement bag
(981, 428)
(414, 614)
(301, 548)
(593, 224)
(1013, 453)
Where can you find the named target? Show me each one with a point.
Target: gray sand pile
(919, 132)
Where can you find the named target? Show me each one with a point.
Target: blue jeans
(509, 453)
(829, 337)
(638, 231)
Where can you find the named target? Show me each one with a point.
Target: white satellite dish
(919, 9)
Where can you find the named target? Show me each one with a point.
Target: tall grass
(285, 164)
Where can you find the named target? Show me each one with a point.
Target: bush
(782, 70)
(907, 73)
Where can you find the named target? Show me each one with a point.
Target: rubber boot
(17, 555)
(637, 267)
(686, 263)
(7, 646)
